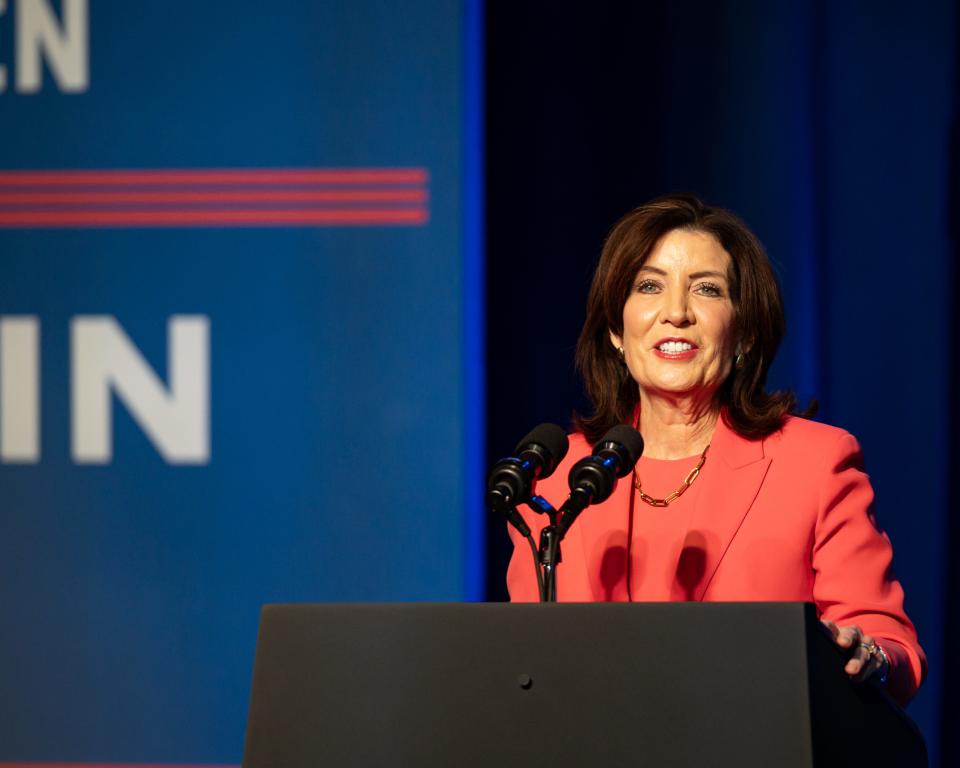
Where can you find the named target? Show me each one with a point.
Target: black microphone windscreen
(629, 438)
(552, 439)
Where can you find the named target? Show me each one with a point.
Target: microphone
(511, 479)
(593, 478)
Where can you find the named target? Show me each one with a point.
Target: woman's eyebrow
(691, 276)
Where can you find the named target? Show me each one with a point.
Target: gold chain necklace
(687, 482)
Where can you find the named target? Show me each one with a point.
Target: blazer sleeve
(854, 583)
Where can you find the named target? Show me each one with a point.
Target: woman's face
(679, 317)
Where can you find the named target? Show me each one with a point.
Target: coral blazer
(785, 518)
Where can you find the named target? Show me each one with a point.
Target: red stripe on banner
(223, 196)
(214, 217)
(218, 177)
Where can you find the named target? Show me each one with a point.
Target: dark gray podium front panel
(671, 684)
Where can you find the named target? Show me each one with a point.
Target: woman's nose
(676, 309)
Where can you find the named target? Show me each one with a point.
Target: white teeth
(675, 346)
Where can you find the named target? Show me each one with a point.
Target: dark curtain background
(828, 128)
(950, 713)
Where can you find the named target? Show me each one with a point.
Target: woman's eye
(709, 289)
(646, 286)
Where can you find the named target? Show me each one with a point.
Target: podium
(656, 684)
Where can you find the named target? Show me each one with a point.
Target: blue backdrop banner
(235, 341)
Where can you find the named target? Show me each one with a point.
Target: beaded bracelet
(884, 670)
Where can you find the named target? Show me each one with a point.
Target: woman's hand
(867, 659)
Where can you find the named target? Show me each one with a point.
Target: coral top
(785, 518)
(656, 533)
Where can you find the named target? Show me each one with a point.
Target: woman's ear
(740, 354)
(617, 341)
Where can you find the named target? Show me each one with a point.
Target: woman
(734, 499)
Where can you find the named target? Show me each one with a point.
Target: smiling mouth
(675, 346)
(676, 350)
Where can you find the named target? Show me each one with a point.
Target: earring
(739, 361)
(623, 358)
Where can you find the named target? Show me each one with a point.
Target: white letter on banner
(3, 69)
(103, 359)
(19, 389)
(66, 50)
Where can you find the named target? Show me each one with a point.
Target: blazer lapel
(730, 481)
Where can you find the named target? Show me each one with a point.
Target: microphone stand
(548, 556)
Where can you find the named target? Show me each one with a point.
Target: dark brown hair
(747, 407)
